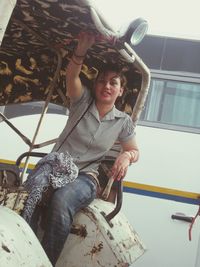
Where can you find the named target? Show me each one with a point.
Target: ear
(121, 91)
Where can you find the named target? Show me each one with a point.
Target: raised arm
(74, 86)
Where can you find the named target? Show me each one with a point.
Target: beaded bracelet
(78, 56)
(74, 61)
(131, 155)
(128, 154)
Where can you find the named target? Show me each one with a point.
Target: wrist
(132, 155)
(79, 53)
(128, 155)
(77, 58)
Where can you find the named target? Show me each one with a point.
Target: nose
(107, 84)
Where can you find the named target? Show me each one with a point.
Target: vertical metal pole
(50, 88)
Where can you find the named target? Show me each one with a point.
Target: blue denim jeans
(65, 203)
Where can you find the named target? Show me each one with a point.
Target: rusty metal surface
(103, 246)
(79, 230)
(13, 199)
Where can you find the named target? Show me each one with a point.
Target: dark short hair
(114, 68)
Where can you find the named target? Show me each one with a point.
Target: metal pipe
(50, 88)
(130, 55)
(118, 206)
(145, 72)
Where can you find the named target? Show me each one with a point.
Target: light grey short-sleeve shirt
(92, 137)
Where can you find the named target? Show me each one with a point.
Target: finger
(116, 172)
(123, 172)
(120, 175)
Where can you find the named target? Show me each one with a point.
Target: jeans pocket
(88, 191)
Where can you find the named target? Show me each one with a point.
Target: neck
(103, 109)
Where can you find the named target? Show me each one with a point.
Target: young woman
(99, 125)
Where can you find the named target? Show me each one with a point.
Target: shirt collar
(111, 115)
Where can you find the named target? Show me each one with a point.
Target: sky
(175, 18)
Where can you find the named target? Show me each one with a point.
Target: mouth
(106, 93)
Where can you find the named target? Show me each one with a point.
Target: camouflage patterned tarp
(37, 30)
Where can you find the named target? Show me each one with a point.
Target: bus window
(173, 103)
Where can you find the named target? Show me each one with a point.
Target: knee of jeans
(63, 201)
(60, 210)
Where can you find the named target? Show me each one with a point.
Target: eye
(101, 81)
(114, 82)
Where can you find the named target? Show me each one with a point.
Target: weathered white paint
(18, 244)
(104, 245)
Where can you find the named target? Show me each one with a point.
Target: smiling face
(108, 88)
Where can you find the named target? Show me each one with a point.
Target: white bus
(163, 189)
